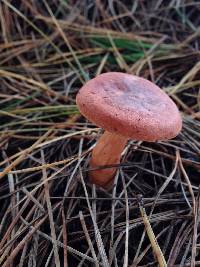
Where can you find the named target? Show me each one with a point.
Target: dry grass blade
(155, 247)
(30, 196)
(195, 233)
(48, 49)
(127, 224)
(97, 232)
(23, 155)
(21, 244)
(64, 240)
(49, 208)
(88, 238)
(38, 85)
(188, 182)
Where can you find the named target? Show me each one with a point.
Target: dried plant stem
(156, 248)
(22, 243)
(24, 154)
(50, 213)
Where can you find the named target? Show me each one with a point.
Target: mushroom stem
(106, 152)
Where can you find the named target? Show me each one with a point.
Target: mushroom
(126, 107)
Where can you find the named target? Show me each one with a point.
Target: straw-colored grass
(50, 214)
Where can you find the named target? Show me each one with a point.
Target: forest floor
(50, 214)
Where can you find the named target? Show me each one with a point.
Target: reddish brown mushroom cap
(129, 106)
